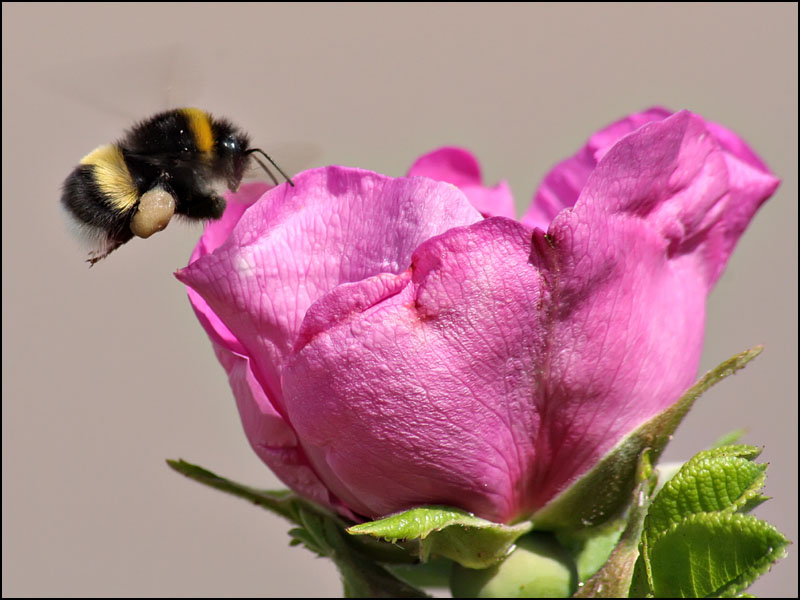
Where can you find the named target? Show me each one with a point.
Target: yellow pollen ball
(154, 212)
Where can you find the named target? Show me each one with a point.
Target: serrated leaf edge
(747, 499)
(741, 582)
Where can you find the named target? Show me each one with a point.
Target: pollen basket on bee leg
(156, 209)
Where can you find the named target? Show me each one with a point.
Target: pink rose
(390, 347)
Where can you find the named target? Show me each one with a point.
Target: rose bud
(389, 347)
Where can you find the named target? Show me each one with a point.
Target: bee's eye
(230, 144)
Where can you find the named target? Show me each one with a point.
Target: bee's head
(231, 160)
(233, 153)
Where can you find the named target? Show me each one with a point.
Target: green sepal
(613, 580)
(603, 492)
(360, 560)
(715, 555)
(448, 532)
(539, 567)
(433, 574)
(280, 501)
(362, 578)
(592, 546)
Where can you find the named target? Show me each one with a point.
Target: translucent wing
(128, 86)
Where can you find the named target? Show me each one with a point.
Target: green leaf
(603, 492)
(728, 439)
(712, 555)
(696, 542)
(444, 531)
(721, 479)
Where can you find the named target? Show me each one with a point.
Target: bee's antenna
(266, 168)
(274, 164)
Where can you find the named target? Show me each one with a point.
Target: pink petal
(214, 234)
(461, 168)
(270, 435)
(563, 184)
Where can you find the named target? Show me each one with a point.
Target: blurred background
(106, 372)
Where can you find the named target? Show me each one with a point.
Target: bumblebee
(176, 162)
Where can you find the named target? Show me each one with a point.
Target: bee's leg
(115, 236)
(108, 248)
(203, 206)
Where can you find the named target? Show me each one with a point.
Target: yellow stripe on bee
(200, 124)
(112, 176)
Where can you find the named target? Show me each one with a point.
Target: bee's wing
(128, 86)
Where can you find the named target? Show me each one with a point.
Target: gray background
(106, 372)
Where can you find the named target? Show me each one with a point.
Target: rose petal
(461, 168)
(214, 234)
(451, 164)
(563, 184)
(270, 435)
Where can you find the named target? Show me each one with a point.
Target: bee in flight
(178, 161)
